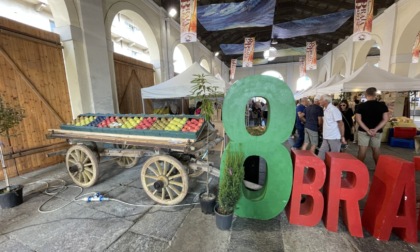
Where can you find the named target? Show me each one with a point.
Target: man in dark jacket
(299, 124)
(313, 121)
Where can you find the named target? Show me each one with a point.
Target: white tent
(180, 85)
(370, 76)
(314, 89)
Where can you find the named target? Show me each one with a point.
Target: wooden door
(32, 75)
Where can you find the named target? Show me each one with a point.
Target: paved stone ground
(113, 226)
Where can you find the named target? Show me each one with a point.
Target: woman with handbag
(347, 113)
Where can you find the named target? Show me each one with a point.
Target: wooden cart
(164, 176)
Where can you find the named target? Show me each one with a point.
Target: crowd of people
(325, 127)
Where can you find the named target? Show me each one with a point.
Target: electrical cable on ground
(53, 191)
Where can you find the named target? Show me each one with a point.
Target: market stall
(370, 76)
(314, 89)
(180, 85)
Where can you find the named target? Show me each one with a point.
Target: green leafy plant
(231, 181)
(10, 116)
(203, 91)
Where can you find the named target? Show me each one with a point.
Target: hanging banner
(233, 63)
(302, 66)
(248, 52)
(416, 49)
(363, 18)
(311, 55)
(188, 21)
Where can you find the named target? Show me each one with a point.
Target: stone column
(98, 61)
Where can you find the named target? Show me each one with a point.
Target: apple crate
(92, 127)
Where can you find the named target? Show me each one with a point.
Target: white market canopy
(370, 76)
(314, 89)
(180, 85)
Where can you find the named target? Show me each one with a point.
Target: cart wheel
(82, 165)
(164, 179)
(126, 162)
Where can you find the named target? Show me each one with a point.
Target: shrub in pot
(229, 188)
(10, 116)
(205, 93)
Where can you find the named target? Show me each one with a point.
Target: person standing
(313, 123)
(371, 117)
(300, 127)
(347, 114)
(333, 128)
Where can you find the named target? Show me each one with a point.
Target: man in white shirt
(333, 128)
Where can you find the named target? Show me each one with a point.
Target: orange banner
(311, 55)
(363, 18)
(233, 63)
(416, 49)
(248, 52)
(188, 21)
(302, 66)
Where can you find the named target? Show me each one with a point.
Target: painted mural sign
(248, 56)
(233, 63)
(311, 55)
(391, 199)
(416, 50)
(363, 18)
(188, 21)
(302, 66)
(248, 13)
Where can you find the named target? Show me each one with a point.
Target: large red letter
(350, 190)
(392, 200)
(310, 212)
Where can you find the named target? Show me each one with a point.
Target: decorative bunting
(302, 66)
(416, 49)
(248, 52)
(188, 21)
(311, 55)
(249, 13)
(313, 25)
(363, 18)
(233, 63)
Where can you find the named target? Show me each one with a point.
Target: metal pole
(142, 104)
(182, 105)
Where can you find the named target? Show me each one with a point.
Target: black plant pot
(223, 222)
(12, 198)
(207, 202)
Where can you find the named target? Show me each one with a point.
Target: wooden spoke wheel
(82, 165)
(126, 162)
(164, 179)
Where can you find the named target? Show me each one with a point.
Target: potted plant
(229, 188)
(10, 116)
(204, 92)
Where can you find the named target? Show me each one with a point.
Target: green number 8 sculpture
(268, 202)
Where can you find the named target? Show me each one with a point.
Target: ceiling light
(172, 12)
(268, 54)
(216, 54)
